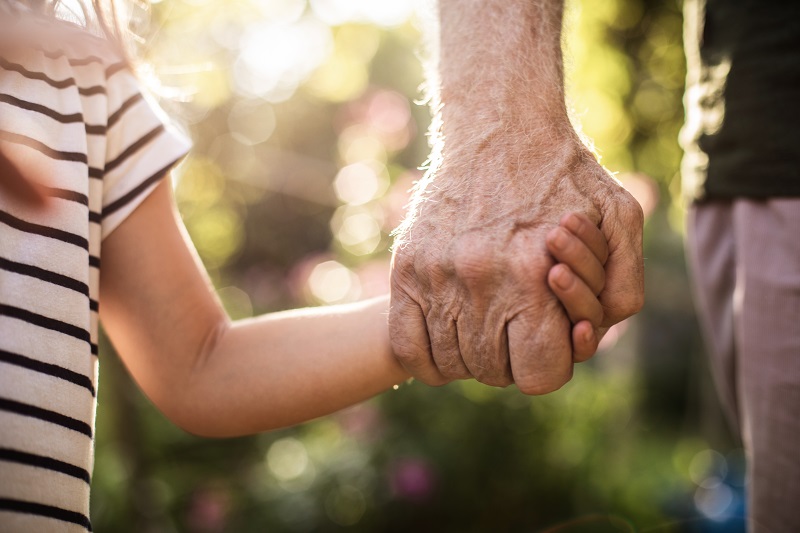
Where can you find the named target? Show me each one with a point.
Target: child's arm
(17, 186)
(581, 250)
(215, 377)
(218, 378)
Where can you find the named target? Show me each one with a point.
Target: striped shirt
(76, 116)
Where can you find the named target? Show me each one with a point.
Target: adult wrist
(506, 138)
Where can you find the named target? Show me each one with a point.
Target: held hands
(578, 278)
(472, 276)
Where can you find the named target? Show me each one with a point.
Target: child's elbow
(206, 419)
(196, 419)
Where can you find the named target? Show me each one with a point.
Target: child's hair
(116, 20)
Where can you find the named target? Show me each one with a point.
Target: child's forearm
(285, 368)
(218, 378)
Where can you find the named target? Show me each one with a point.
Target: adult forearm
(496, 88)
(499, 70)
(469, 292)
(286, 368)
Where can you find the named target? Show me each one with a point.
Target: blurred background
(307, 137)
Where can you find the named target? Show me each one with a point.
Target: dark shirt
(743, 99)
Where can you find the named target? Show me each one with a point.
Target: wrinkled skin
(469, 280)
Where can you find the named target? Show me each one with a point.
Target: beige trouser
(745, 259)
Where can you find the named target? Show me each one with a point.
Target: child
(74, 121)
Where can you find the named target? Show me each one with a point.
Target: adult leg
(767, 322)
(711, 254)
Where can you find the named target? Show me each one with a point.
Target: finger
(583, 228)
(443, 333)
(570, 250)
(584, 341)
(484, 346)
(623, 294)
(409, 338)
(540, 350)
(482, 317)
(576, 297)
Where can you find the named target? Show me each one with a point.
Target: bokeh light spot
(287, 459)
(359, 183)
(217, 234)
(332, 282)
(236, 302)
(251, 122)
(708, 468)
(714, 502)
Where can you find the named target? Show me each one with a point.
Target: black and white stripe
(72, 106)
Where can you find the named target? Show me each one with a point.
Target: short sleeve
(142, 145)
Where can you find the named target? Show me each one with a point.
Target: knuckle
(430, 269)
(526, 259)
(632, 210)
(423, 266)
(474, 261)
(402, 261)
(528, 269)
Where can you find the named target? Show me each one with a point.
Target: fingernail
(572, 223)
(562, 278)
(559, 240)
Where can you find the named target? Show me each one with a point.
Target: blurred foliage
(307, 139)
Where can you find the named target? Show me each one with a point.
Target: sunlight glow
(386, 14)
(276, 58)
(359, 183)
(332, 282)
(251, 122)
(287, 459)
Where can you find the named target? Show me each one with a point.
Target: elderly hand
(469, 281)
(470, 292)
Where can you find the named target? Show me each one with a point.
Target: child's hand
(581, 251)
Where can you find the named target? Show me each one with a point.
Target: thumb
(623, 294)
